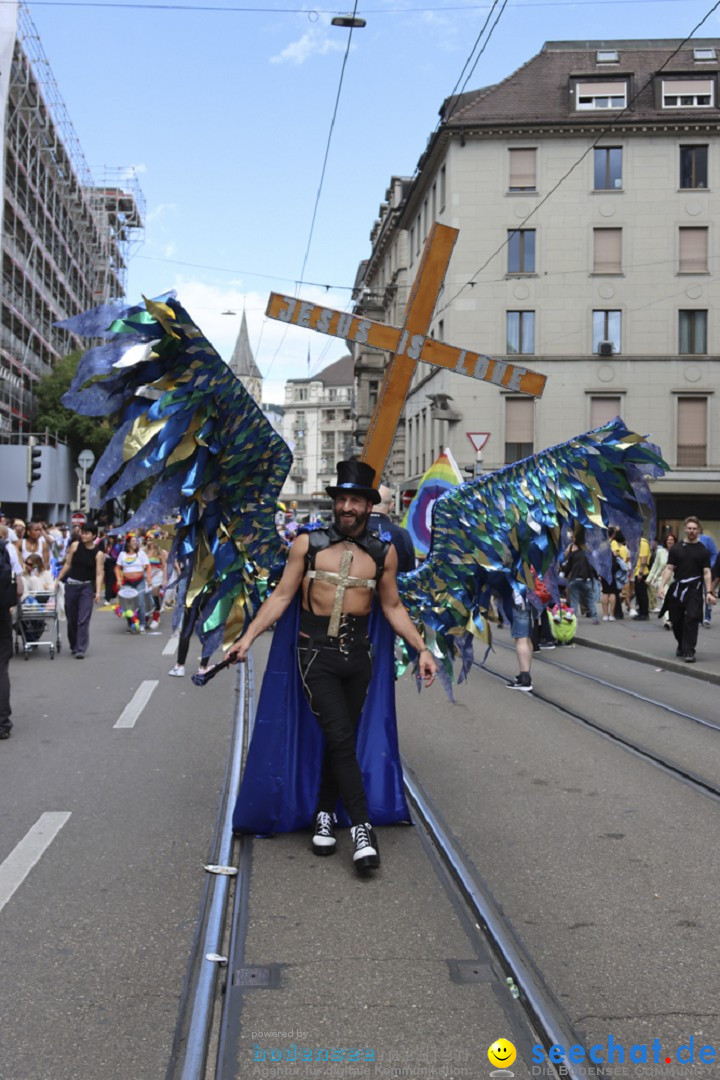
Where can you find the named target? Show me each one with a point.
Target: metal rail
(544, 1012)
(192, 1036)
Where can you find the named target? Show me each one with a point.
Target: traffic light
(34, 461)
(84, 501)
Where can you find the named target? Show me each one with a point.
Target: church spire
(242, 363)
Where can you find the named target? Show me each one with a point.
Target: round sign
(78, 518)
(86, 459)
(408, 497)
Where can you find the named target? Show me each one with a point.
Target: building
(65, 239)
(318, 427)
(242, 363)
(586, 188)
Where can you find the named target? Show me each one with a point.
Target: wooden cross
(408, 344)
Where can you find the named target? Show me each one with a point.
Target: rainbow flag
(442, 475)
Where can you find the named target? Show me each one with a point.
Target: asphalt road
(95, 937)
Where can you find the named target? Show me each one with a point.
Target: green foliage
(79, 432)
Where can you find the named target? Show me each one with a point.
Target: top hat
(355, 477)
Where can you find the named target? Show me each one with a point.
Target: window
(328, 443)
(693, 250)
(519, 428)
(703, 55)
(607, 251)
(603, 409)
(692, 332)
(520, 332)
(521, 251)
(607, 56)
(442, 188)
(373, 390)
(328, 414)
(412, 241)
(688, 93)
(692, 431)
(607, 326)
(693, 166)
(608, 168)
(601, 95)
(433, 206)
(418, 237)
(301, 393)
(299, 487)
(522, 170)
(425, 218)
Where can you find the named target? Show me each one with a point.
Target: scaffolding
(66, 240)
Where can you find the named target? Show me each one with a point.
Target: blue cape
(281, 780)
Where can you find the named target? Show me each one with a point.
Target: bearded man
(339, 568)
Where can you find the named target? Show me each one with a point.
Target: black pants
(686, 606)
(6, 648)
(641, 595)
(78, 610)
(336, 684)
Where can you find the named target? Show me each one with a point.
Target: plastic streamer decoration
(489, 532)
(186, 423)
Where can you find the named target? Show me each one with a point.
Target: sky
(226, 116)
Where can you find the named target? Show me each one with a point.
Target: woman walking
(83, 568)
(133, 568)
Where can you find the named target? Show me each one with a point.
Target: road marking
(171, 647)
(24, 855)
(137, 703)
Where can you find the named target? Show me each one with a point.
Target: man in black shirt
(690, 590)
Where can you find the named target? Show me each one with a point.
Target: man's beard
(354, 528)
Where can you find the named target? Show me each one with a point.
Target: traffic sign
(407, 497)
(478, 439)
(86, 459)
(78, 518)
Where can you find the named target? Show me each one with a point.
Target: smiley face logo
(502, 1053)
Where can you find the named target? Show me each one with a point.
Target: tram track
(207, 1029)
(701, 784)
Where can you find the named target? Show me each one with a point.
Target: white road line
(24, 855)
(170, 647)
(136, 705)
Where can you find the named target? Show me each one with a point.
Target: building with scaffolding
(65, 237)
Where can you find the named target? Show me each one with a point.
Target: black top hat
(355, 477)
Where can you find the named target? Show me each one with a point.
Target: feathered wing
(186, 423)
(486, 534)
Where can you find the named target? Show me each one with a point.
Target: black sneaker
(323, 841)
(690, 658)
(679, 652)
(4, 733)
(366, 855)
(547, 644)
(521, 682)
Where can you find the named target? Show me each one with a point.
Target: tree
(79, 432)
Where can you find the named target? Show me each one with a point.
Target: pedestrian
(658, 565)
(132, 569)
(580, 577)
(333, 648)
(401, 538)
(157, 557)
(34, 542)
(691, 589)
(709, 543)
(82, 572)
(640, 576)
(521, 631)
(11, 589)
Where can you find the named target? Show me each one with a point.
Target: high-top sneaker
(323, 841)
(367, 853)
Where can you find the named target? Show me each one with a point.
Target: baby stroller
(36, 624)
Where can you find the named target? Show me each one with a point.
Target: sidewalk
(649, 643)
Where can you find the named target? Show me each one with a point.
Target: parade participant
(84, 564)
(333, 645)
(11, 589)
(691, 589)
(133, 568)
(157, 557)
(401, 538)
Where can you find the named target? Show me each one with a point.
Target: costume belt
(315, 630)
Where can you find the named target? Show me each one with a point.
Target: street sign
(78, 518)
(407, 497)
(86, 459)
(478, 439)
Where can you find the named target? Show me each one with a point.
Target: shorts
(520, 623)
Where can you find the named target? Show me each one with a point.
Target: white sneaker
(606, 618)
(611, 618)
(177, 670)
(632, 613)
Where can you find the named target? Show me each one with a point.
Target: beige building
(318, 427)
(586, 188)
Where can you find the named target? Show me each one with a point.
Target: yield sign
(478, 438)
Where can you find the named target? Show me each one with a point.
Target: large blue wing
(186, 424)
(486, 534)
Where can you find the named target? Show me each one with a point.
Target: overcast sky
(226, 116)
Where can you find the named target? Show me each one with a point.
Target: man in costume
(690, 591)
(338, 568)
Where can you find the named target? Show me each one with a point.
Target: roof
(338, 374)
(539, 90)
(242, 360)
